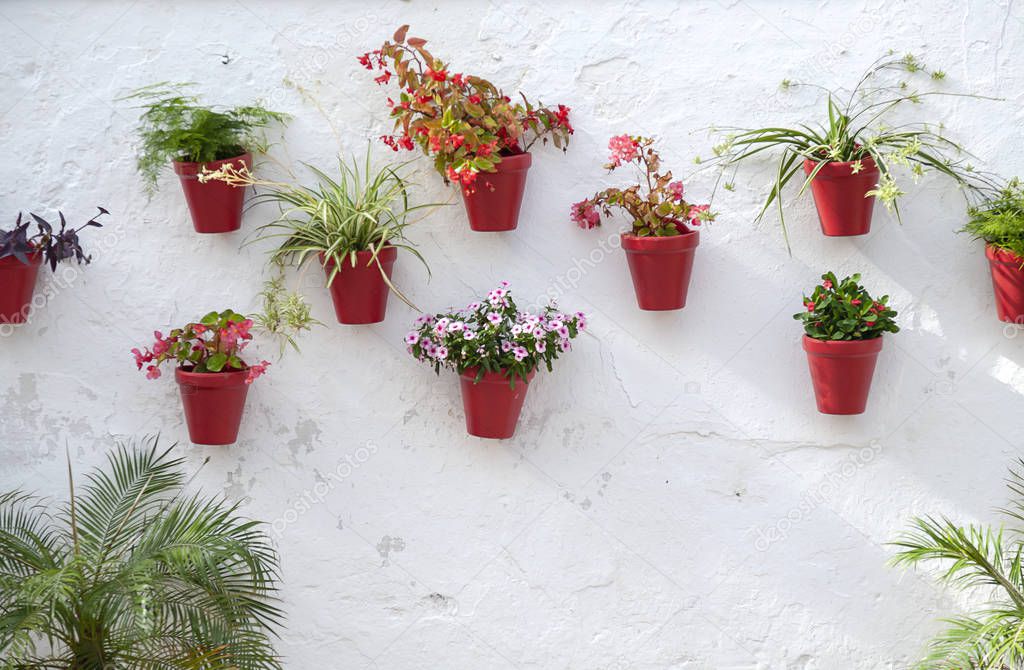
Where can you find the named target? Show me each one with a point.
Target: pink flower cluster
(585, 214)
(624, 149)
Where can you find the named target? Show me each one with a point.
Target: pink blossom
(152, 372)
(624, 149)
(506, 346)
(412, 337)
(695, 212)
(520, 353)
(585, 215)
(256, 370)
(540, 346)
(675, 189)
(494, 318)
(441, 353)
(469, 334)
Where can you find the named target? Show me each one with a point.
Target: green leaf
(216, 362)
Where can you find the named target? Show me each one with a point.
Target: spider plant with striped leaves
(362, 209)
(983, 560)
(856, 131)
(132, 572)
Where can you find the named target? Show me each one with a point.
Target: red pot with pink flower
(22, 252)
(484, 144)
(213, 380)
(496, 349)
(661, 246)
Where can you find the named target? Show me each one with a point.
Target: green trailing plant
(284, 314)
(844, 310)
(175, 126)
(362, 209)
(133, 572)
(855, 131)
(999, 218)
(975, 558)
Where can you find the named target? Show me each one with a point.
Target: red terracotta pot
(843, 209)
(213, 402)
(1008, 283)
(494, 204)
(17, 283)
(359, 293)
(492, 406)
(841, 372)
(216, 207)
(661, 267)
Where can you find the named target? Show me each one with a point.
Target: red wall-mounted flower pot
(1007, 282)
(495, 198)
(359, 292)
(213, 402)
(216, 207)
(492, 405)
(661, 268)
(839, 195)
(841, 371)
(17, 283)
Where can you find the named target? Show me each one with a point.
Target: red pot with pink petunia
(213, 380)
(661, 246)
(23, 251)
(484, 144)
(496, 350)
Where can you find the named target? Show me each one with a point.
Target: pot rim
(660, 245)
(469, 374)
(210, 379)
(513, 163)
(831, 168)
(34, 258)
(387, 254)
(191, 169)
(1005, 256)
(842, 348)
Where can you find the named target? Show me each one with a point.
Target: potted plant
(177, 129)
(843, 327)
(999, 221)
(985, 562)
(663, 240)
(134, 571)
(211, 375)
(21, 254)
(496, 350)
(353, 225)
(477, 136)
(851, 160)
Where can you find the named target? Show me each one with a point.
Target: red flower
(456, 141)
(585, 215)
(256, 370)
(474, 99)
(437, 75)
(458, 80)
(810, 306)
(384, 78)
(562, 116)
(623, 148)
(855, 302)
(406, 142)
(364, 60)
(827, 284)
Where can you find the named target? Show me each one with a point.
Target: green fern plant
(132, 572)
(175, 126)
(999, 220)
(972, 558)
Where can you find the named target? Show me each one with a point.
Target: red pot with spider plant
(213, 380)
(496, 349)
(22, 253)
(843, 327)
(484, 144)
(840, 190)
(359, 284)
(663, 241)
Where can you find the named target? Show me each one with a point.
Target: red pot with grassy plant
(212, 377)
(840, 190)
(843, 327)
(496, 350)
(175, 128)
(484, 143)
(359, 284)
(662, 243)
(21, 254)
(999, 221)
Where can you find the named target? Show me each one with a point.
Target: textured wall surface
(671, 499)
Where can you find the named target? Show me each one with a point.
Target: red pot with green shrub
(999, 221)
(177, 129)
(496, 350)
(484, 143)
(661, 246)
(212, 377)
(22, 252)
(843, 327)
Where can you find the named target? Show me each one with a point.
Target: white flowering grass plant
(493, 335)
(856, 132)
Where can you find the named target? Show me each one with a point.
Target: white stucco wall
(671, 499)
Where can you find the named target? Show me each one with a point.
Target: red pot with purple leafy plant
(22, 252)
(663, 241)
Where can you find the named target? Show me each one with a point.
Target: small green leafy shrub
(176, 127)
(1000, 219)
(135, 572)
(844, 310)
